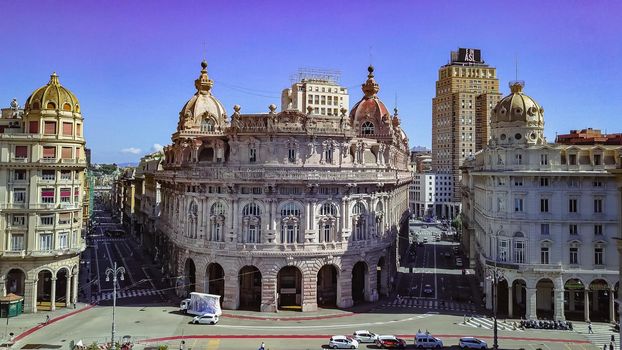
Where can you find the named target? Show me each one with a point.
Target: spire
(54, 79)
(204, 83)
(370, 88)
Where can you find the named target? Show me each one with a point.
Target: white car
(472, 343)
(364, 336)
(342, 342)
(205, 319)
(427, 341)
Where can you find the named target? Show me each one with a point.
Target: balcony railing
(48, 160)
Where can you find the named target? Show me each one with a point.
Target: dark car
(115, 233)
(390, 342)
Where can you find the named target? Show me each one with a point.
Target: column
(68, 291)
(313, 213)
(74, 295)
(344, 298)
(586, 304)
(531, 312)
(510, 300)
(232, 294)
(612, 306)
(558, 299)
(30, 295)
(53, 295)
(273, 205)
(2, 286)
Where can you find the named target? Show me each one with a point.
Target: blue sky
(132, 63)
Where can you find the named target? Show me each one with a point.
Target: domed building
(42, 171)
(283, 209)
(543, 218)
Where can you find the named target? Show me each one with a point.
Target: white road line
(127, 269)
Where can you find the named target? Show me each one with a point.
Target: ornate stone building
(287, 210)
(42, 177)
(544, 216)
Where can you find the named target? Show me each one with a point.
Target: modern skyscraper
(466, 91)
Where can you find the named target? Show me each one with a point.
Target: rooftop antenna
(516, 65)
(204, 51)
(370, 55)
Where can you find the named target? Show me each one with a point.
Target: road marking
(148, 277)
(435, 280)
(213, 344)
(127, 269)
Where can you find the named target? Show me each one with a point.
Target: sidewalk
(24, 324)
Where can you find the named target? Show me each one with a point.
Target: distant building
(422, 193)
(466, 91)
(589, 136)
(316, 91)
(148, 199)
(42, 197)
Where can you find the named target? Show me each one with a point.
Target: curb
(53, 320)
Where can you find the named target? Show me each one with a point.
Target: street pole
(495, 344)
(114, 271)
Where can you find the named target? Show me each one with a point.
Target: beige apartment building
(42, 175)
(466, 91)
(316, 91)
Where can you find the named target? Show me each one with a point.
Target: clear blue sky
(132, 63)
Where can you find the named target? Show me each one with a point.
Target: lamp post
(495, 275)
(114, 271)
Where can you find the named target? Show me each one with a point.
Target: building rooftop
(589, 136)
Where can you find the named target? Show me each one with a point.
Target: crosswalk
(602, 334)
(488, 323)
(430, 304)
(125, 294)
(109, 239)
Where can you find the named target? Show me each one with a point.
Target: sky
(132, 64)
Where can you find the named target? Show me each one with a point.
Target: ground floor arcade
(44, 284)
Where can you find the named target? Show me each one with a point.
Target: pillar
(2, 286)
(510, 300)
(268, 294)
(586, 304)
(558, 313)
(489, 293)
(232, 295)
(30, 295)
(68, 290)
(308, 298)
(53, 295)
(344, 299)
(74, 285)
(531, 311)
(612, 306)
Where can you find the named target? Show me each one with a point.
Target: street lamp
(114, 271)
(495, 275)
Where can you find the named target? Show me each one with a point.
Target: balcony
(48, 160)
(19, 160)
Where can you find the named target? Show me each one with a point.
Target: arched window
(367, 128)
(193, 212)
(328, 209)
(51, 105)
(251, 222)
(359, 221)
(217, 219)
(207, 125)
(290, 222)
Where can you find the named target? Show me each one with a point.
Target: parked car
(427, 289)
(472, 343)
(205, 319)
(364, 336)
(427, 341)
(390, 342)
(342, 342)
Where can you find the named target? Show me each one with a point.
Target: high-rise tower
(466, 91)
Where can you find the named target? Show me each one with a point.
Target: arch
(77, 109)
(328, 209)
(251, 209)
(206, 154)
(215, 280)
(289, 287)
(66, 107)
(519, 235)
(249, 280)
(62, 298)
(599, 291)
(50, 105)
(367, 128)
(190, 277)
(15, 281)
(519, 298)
(360, 281)
(327, 286)
(44, 289)
(545, 301)
(574, 298)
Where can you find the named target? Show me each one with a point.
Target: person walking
(589, 328)
(262, 346)
(47, 319)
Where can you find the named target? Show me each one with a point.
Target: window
(18, 220)
(45, 241)
(502, 254)
(78, 129)
(518, 205)
(65, 195)
(252, 155)
(573, 229)
(74, 237)
(326, 230)
(21, 152)
(573, 257)
(328, 209)
(251, 209)
(66, 153)
(519, 252)
(598, 229)
(573, 182)
(19, 195)
(33, 127)
(328, 155)
(290, 234)
(598, 205)
(17, 242)
(597, 183)
(544, 181)
(544, 205)
(67, 129)
(48, 175)
(518, 181)
(291, 155)
(207, 125)
(572, 205)
(544, 159)
(47, 220)
(519, 159)
(367, 128)
(598, 255)
(47, 195)
(544, 255)
(65, 174)
(544, 229)
(49, 128)
(19, 175)
(252, 233)
(572, 159)
(49, 152)
(62, 240)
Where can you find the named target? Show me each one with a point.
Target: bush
(162, 347)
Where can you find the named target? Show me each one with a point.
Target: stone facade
(545, 216)
(42, 194)
(284, 210)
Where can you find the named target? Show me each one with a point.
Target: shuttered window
(47, 195)
(65, 195)
(50, 128)
(66, 154)
(67, 129)
(33, 127)
(76, 195)
(78, 153)
(49, 152)
(78, 129)
(21, 151)
(64, 218)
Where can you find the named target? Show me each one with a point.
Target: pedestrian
(611, 345)
(262, 346)
(47, 319)
(589, 328)
(604, 346)
(75, 305)
(181, 345)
